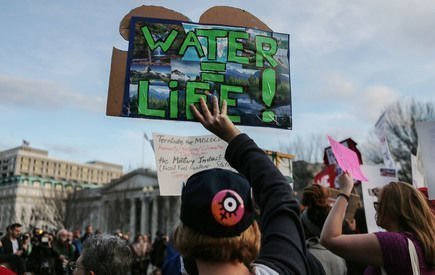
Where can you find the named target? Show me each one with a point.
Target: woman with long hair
(407, 246)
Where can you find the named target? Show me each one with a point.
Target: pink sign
(347, 159)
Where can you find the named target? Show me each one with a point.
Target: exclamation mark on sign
(268, 93)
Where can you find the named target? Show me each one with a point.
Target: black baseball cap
(217, 203)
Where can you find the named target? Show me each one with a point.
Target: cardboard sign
(378, 176)
(354, 202)
(347, 159)
(426, 141)
(177, 158)
(172, 64)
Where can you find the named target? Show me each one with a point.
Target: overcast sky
(348, 60)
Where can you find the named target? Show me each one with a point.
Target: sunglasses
(376, 205)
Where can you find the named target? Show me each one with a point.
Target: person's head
(76, 234)
(15, 230)
(104, 254)
(89, 229)
(139, 238)
(27, 236)
(315, 196)
(402, 206)
(62, 236)
(217, 219)
(315, 200)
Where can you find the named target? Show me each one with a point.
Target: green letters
(163, 45)
(192, 97)
(234, 46)
(212, 36)
(143, 108)
(263, 53)
(225, 90)
(191, 40)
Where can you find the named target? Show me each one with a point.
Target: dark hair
(315, 198)
(106, 254)
(14, 225)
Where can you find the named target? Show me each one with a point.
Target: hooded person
(217, 226)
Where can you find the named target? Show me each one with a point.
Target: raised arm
(283, 246)
(362, 248)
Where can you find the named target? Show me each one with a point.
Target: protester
(43, 257)
(89, 231)
(65, 251)
(404, 213)
(315, 201)
(158, 250)
(12, 248)
(217, 227)
(77, 243)
(11, 242)
(104, 254)
(141, 248)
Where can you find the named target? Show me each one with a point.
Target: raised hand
(217, 122)
(346, 183)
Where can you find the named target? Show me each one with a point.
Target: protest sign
(172, 63)
(417, 171)
(377, 177)
(347, 159)
(177, 158)
(354, 202)
(426, 142)
(284, 162)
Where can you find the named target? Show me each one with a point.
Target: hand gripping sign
(172, 63)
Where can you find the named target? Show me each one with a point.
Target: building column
(132, 217)
(154, 217)
(144, 216)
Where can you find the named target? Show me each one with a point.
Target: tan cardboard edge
(224, 15)
(115, 95)
(151, 12)
(354, 203)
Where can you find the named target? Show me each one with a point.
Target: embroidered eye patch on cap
(217, 203)
(227, 207)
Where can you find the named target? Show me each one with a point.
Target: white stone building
(130, 204)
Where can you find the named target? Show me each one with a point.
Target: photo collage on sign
(159, 68)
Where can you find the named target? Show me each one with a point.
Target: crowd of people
(247, 223)
(58, 252)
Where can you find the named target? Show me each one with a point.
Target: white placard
(377, 176)
(417, 172)
(177, 158)
(426, 142)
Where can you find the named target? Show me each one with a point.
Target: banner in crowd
(385, 149)
(417, 171)
(284, 162)
(172, 64)
(426, 142)
(377, 177)
(347, 159)
(177, 158)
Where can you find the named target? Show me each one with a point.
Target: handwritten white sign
(177, 158)
(377, 177)
(426, 141)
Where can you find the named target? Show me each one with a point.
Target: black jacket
(7, 245)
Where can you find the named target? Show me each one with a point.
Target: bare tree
(401, 133)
